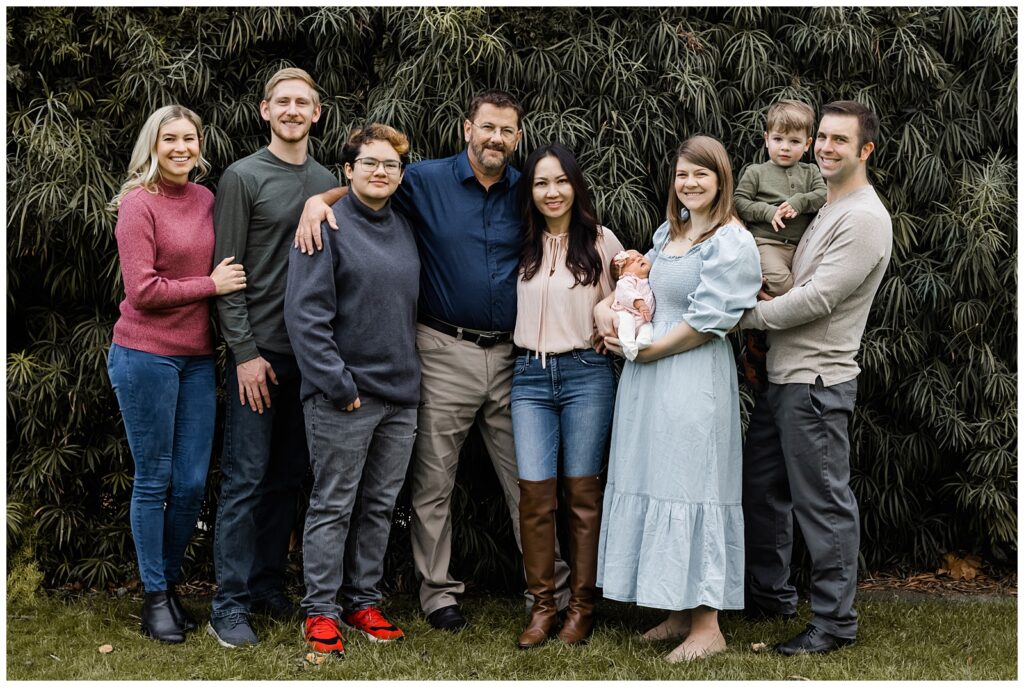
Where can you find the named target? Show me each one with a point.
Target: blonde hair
(709, 153)
(788, 116)
(144, 168)
(287, 74)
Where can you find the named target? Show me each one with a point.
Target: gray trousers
(359, 460)
(796, 463)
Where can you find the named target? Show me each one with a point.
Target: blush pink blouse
(552, 314)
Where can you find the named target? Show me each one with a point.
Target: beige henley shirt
(815, 329)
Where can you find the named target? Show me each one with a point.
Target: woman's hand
(612, 345)
(228, 277)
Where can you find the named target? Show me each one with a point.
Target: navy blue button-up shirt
(469, 241)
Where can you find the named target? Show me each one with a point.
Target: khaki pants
(462, 383)
(776, 264)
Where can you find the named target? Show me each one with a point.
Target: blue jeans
(359, 460)
(262, 467)
(168, 403)
(565, 404)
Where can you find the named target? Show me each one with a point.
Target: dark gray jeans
(262, 467)
(359, 460)
(796, 462)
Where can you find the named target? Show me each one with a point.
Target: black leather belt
(480, 338)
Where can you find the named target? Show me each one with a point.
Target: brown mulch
(939, 584)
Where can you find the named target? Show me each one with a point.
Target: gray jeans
(796, 462)
(359, 460)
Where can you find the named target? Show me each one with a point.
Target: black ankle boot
(181, 615)
(158, 621)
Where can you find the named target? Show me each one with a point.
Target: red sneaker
(372, 623)
(323, 636)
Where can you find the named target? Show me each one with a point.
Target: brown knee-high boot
(584, 498)
(537, 504)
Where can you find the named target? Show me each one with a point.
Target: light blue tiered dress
(672, 528)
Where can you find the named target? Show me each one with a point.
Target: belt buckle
(486, 340)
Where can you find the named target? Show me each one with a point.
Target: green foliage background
(934, 459)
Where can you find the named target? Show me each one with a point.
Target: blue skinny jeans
(564, 404)
(168, 404)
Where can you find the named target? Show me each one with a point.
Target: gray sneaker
(232, 631)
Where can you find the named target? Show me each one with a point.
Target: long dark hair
(581, 257)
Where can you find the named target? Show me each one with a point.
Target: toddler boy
(777, 200)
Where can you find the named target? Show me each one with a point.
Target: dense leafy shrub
(935, 431)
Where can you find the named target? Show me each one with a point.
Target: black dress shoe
(448, 618)
(813, 640)
(157, 620)
(756, 614)
(180, 613)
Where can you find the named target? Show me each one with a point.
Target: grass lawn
(941, 639)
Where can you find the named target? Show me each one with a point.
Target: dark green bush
(935, 430)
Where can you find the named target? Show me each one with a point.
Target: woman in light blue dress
(672, 532)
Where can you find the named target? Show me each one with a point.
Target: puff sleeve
(660, 239)
(730, 277)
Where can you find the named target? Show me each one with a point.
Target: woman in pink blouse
(161, 360)
(562, 389)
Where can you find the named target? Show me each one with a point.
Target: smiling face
(837, 149)
(552, 193)
(786, 148)
(695, 186)
(291, 111)
(177, 150)
(374, 184)
(492, 137)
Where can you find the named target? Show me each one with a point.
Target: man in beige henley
(796, 460)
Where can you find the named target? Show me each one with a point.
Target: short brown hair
(497, 98)
(709, 153)
(375, 132)
(867, 120)
(291, 73)
(790, 115)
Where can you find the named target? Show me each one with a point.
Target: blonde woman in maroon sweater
(161, 360)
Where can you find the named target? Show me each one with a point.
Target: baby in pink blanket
(634, 301)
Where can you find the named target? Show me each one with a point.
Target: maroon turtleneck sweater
(165, 242)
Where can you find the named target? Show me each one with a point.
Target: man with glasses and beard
(463, 210)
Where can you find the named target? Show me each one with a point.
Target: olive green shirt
(763, 188)
(258, 204)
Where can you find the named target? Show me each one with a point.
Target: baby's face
(636, 264)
